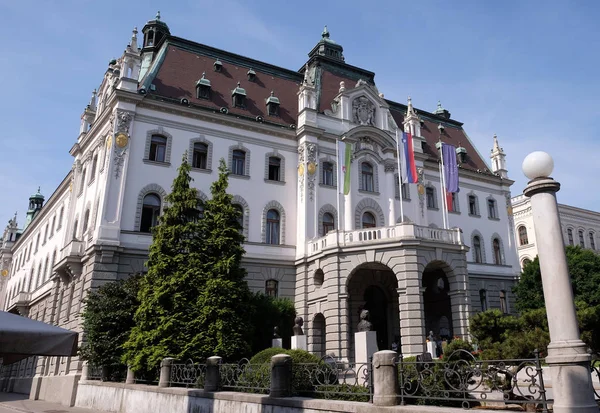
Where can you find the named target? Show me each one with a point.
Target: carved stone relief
(421, 190)
(363, 111)
(311, 154)
(122, 131)
(301, 161)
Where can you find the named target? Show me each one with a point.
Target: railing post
(212, 380)
(401, 379)
(130, 379)
(281, 376)
(85, 371)
(540, 372)
(385, 378)
(165, 372)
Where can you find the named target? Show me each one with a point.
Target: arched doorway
(372, 287)
(436, 301)
(318, 335)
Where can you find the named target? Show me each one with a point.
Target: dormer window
(462, 154)
(239, 97)
(272, 105)
(218, 65)
(203, 88)
(251, 75)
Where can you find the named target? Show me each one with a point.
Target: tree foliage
(107, 320)
(269, 312)
(164, 319)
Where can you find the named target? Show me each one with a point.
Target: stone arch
(502, 257)
(327, 208)
(368, 205)
(279, 208)
(318, 335)
(474, 234)
(383, 139)
(209, 151)
(160, 132)
(238, 200)
(151, 188)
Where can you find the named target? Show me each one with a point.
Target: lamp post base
(569, 364)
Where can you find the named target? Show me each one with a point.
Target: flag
(409, 169)
(450, 167)
(344, 157)
(449, 201)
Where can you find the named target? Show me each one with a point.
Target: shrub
(453, 350)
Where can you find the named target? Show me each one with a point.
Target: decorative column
(568, 358)
(307, 212)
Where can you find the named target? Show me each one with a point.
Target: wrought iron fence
(331, 379)
(150, 377)
(595, 371)
(463, 380)
(246, 377)
(113, 372)
(189, 374)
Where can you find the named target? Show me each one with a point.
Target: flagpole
(400, 176)
(339, 182)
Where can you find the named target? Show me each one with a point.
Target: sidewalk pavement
(14, 402)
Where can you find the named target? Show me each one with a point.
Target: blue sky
(525, 70)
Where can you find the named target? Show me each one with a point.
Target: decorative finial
(272, 93)
(158, 15)
(39, 189)
(238, 84)
(342, 86)
(439, 105)
(409, 101)
(441, 129)
(325, 34)
(203, 74)
(381, 95)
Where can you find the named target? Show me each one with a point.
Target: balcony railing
(397, 232)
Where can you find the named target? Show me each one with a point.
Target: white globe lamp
(538, 164)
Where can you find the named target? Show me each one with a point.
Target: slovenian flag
(409, 169)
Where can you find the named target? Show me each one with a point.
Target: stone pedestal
(431, 349)
(299, 343)
(281, 376)
(277, 343)
(365, 345)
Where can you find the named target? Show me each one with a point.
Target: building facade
(579, 227)
(382, 247)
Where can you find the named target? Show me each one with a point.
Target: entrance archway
(372, 287)
(436, 301)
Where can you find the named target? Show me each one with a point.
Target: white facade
(579, 227)
(118, 169)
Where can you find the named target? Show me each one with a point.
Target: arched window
(240, 218)
(53, 225)
(60, 218)
(273, 227)
(75, 225)
(82, 183)
(366, 177)
(94, 166)
(272, 288)
(200, 158)
(368, 220)
(581, 239)
(328, 223)
(86, 220)
(570, 236)
(150, 212)
(592, 241)
(483, 299)
(526, 261)
(523, 239)
(477, 249)
(497, 252)
(327, 178)
(158, 148)
(238, 162)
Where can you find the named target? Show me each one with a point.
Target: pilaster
(307, 212)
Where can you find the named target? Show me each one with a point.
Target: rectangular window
(492, 209)
(238, 162)
(405, 191)
(274, 169)
(455, 201)
(503, 306)
(430, 195)
(158, 149)
(327, 173)
(483, 299)
(472, 205)
(199, 160)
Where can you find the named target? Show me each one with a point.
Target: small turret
(10, 233)
(327, 47)
(440, 111)
(36, 201)
(498, 158)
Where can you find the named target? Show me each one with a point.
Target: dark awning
(21, 337)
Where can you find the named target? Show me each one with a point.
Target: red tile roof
(185, 61)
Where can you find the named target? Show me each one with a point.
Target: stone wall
(136, 398)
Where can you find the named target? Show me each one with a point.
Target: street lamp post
(568, 357)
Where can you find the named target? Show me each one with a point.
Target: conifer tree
(169, 290)
(223, 325)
